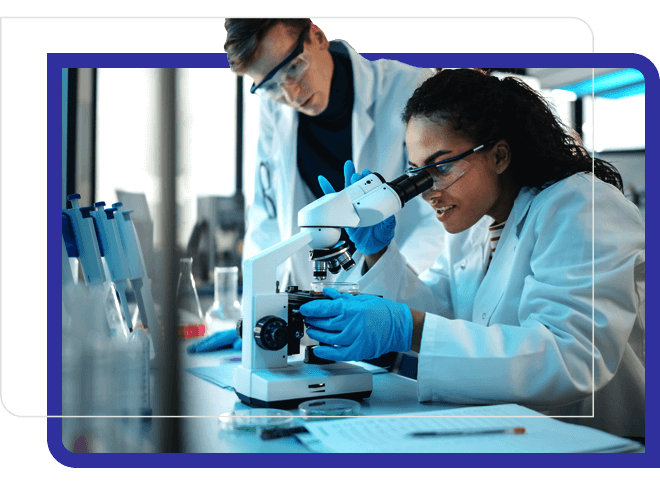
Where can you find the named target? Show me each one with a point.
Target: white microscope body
(265, 378)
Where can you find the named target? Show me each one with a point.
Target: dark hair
(244, 36)
(483, 107)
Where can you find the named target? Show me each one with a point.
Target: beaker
(191, 322)
(226, 308)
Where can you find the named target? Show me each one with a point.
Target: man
(321, 104)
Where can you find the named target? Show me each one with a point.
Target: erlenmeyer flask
(226, 308)
(191, 321)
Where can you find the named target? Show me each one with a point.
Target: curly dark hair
(244, 36)
(483, 107)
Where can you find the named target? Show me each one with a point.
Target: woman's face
(484, 189)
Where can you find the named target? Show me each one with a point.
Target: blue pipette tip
(86, 210)
(74, 200)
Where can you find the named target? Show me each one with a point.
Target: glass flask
(226, 308)
(191, 321)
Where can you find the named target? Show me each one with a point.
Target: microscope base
(293, 403)
(289, 386)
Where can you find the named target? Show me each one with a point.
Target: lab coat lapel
(469, 269)
(362, 122)
(497, 277)
(287, 123)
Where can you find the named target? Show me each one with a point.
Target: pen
(468, 432)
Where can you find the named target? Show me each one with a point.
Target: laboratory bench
(203, 433)
(202, 402)
(392, 394)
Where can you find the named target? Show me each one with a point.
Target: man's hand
(368, 240)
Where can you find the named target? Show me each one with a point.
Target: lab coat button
(483, 316)
(463, 265)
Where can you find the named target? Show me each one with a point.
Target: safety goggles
(288, 72)
(446, 172)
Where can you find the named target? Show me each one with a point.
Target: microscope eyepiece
(407, 187)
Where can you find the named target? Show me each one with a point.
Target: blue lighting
(624, 92)
(610, 82)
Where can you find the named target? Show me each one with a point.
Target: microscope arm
(259, 274)
(262, 267)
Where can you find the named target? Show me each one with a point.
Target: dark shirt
(325, 141)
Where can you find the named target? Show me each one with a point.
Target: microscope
(272, 326)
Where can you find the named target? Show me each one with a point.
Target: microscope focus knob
(271, 333)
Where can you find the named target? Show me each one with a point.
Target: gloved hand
(368, 240)
(360, 326)
(218, 340)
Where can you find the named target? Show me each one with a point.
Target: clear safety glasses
(448, 171)
(288, 72)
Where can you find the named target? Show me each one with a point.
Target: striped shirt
(494, 233)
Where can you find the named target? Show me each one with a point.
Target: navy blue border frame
(56, 62)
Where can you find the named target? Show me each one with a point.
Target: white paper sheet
(391, 434)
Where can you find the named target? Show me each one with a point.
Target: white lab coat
(382, 89)
(522, 332)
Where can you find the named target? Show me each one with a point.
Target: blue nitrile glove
(218, 340)
(360, 326)
(368, 240)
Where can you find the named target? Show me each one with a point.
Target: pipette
(137, 271)
(113, 253)
(81, 242)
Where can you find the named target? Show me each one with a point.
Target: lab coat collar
(363, 105)
(516, 220)
(363, 78)
(520, 209)
(492, 287)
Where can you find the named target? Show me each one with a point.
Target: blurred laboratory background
(177, 148)
(114, 145)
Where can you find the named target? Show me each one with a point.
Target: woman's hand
(357, 327)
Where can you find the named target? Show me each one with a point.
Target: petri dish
(340, 286)
(256, 420)
(322, 409)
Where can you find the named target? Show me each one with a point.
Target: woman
(538, 296)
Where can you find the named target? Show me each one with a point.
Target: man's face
(310, 94)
